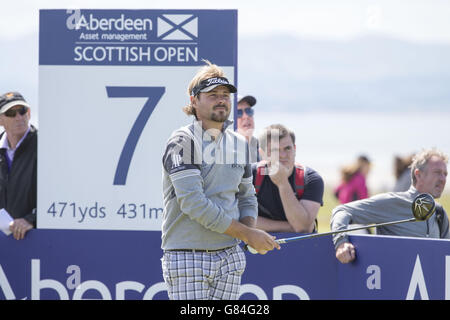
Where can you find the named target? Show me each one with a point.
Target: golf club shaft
(314, 235)
(423, 207)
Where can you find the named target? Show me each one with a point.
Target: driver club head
(423, 206)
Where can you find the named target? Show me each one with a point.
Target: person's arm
(376, 209)
(301, 214)
(19, 227)
(248, 210)
(346, 252)
(187, 182)
(372, 210)
(188, 186)
(194, 203)
(271, 225)
(259, 240)
(31, 217)
(247, 202)
(444, 226)
(248, 221)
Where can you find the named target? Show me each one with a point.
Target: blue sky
(414, 20)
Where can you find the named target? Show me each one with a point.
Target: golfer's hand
(19, 227)
(345, 253)
(261, 241)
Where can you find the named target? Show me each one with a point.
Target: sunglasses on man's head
(12, 112)
(249, 111)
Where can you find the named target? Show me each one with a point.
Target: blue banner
(93, 264)
(397, 268)
(137, 37)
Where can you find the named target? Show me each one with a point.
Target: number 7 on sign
(153, 94)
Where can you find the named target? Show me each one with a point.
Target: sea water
(327, 141)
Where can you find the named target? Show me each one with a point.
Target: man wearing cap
(209, 200)
(18, 164)
(246, 124)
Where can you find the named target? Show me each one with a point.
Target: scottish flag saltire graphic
(178, 27)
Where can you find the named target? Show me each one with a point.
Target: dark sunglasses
(249, 111)
(11, 113)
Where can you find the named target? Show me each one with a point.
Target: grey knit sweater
(206, 184)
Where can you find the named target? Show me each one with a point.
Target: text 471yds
(99, 211)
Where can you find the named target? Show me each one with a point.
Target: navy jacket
(18, 188)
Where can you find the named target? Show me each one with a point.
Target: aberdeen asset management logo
(178, 27)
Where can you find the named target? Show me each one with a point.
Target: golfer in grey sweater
(429, 174)
(209, 199)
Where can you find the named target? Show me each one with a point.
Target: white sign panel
(112, 84)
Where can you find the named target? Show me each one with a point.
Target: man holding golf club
(209, 205)
(429, 175)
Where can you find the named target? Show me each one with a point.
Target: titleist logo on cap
(212, 82)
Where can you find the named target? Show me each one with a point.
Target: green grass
(330, 202)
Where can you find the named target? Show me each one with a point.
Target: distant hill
(287, 73)
(372, 73)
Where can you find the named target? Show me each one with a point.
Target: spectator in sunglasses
(246, 124)
(18, 164)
